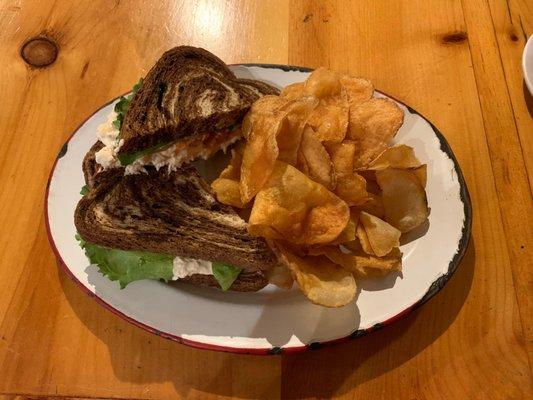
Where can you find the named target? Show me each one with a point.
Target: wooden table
(457, 62)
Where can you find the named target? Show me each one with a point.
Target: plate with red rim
(273, 321)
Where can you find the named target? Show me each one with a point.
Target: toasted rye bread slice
(247, 281)
(189, 91)
(172, 214)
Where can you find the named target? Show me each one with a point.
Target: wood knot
(39, 52)
(513, 37)
(454, 37)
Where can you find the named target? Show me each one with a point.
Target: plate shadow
(332, 371)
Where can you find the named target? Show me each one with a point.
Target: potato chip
(404, 198)
(227, 187)
(322, 83)
(334, 253)
(265, 106)
(259, 156)
(293, 91)
(330, 121)
(360, 232)
(342, 156)
(314, 160)
(246, 127)
(280, 275)
(401, 156)
(290, 134)
(294, 207)
(351, 188)
(373, 205)
(268, 105)
(354, 246)
(361, 264)
(348, 234)
(371, 184)
(371, 266)
(372, 125)
(370, 176)
(227, 191)
(382, 236)
(421, 173)
(322, 281)
(358, 90)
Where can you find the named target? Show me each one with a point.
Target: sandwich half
(160, 225)
(189, 106)
(146, 213)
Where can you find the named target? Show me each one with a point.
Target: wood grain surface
(456, 61)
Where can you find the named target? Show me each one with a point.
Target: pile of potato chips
(323, 186)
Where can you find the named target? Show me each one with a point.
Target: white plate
(527, 64)
(273, 321)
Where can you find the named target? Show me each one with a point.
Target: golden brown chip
(401, 156)
(354, 246)
(290, 134)
(265, 106)
(404, 198)
(358, 90)
(322, 281)
(421, 173)
(382, 236)
(348, 234)
(281, 276)
(373, 205)
(361, 264)
(322, 83)
(352, 189)
(296, 208)
(314, 160)
(342, 156)
(371, 266)
(334, 253)
(227, 187)
(372, 125)
(293, 91)
(370, 176)
(227, 191)
(259, 155)
(330, 121)
(268, 105)
(363, 239)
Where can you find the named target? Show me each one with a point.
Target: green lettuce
(84, 190)
(225, 274)
(130, 266)
(122, 106)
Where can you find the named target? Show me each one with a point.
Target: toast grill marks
(189, 91)
(172, 214)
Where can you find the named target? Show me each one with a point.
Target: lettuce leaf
(128, 266)
(122, 106)
(84, 190)
(225, 274)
